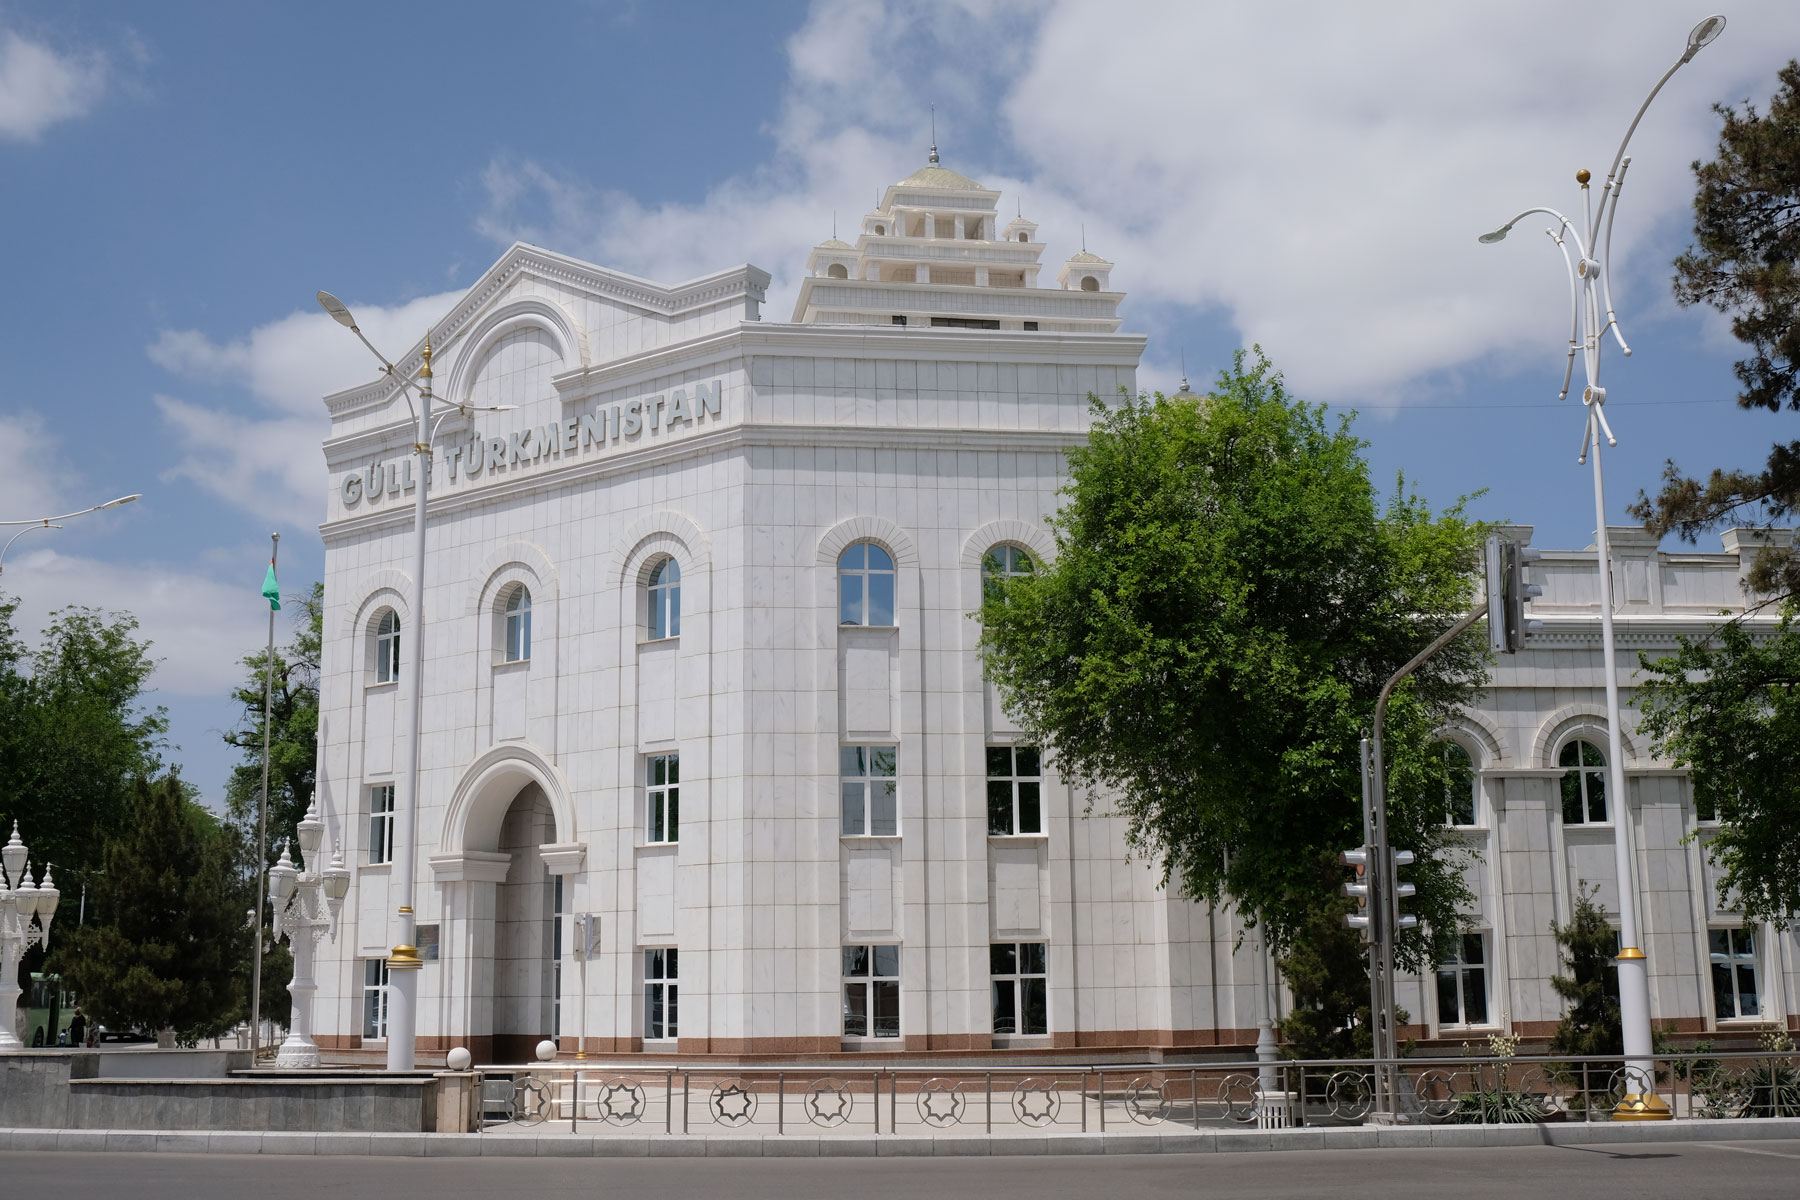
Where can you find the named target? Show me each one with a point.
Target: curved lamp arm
(1488, 239)
(15, 537)
(81, 513)
(1574, 312)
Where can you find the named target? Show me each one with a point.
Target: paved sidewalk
(543, 1143)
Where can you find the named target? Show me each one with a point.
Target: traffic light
(1359, 888)
(1403, 858)
(1508, 593)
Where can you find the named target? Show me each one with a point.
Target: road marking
(1746, 1149)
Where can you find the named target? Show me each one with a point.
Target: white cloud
(199, 627)
(264, 457)
(39, 87)
(31, 486)
(1316, 173)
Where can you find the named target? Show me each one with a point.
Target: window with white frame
(518, 624)
(872, 991)
(387, 647)
(661, 993)
(663, 595)
(662, 798)
(865, 586)
(1734, 974)
(556, 953)
(869, 791)
(1020, 989)
(1459, 784)
(381, 823)
(1004, 562)
(1462, 997)
(1014, 790)
(1583, 783)
(375, 998)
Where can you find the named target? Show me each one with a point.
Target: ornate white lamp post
(307, 904)
(1590, 295)
(25, 914)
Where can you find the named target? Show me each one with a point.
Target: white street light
(1590, 292)
(307, 904)
(25, 915)
(54, 522)
(404, 962)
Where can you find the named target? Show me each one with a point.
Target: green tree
(165, 942)
(1227, 599)
(1326, 969)
(1728, 710)
(1591, 1026)
(1745, 262)
(293, 727)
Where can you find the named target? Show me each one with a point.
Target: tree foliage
(293, 727)
(165, 943)
(1745, 262)
(1591, 1026)
(1728, 709)
(1227, 599)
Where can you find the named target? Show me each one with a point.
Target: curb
(565, 1145)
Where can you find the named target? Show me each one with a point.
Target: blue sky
(177, 180)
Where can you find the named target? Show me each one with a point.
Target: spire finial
(425, 371)
(933, 157)
(834, 224)
(1184, 382)
(1084, 237)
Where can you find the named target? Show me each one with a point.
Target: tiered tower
(932, 255)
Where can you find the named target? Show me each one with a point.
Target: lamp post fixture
(403, 962)
(54, 522)
(1590, 290)
(307, 904)
(25, 914)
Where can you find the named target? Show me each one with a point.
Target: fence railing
(883, 1100)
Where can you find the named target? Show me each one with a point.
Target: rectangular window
(661, 994)
(1021, 993)
(556, 954)
(1734, 974)
(662, 798)
(381, 823)
(899, 319)
(1031, 327)
(375, 997)
(1014, 790)
(869, 791)
(1462, 984)
(872, 991)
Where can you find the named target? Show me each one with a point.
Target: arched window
(1089, 284)
(865, 586)
(881, 231)
(837, 271)
(1023, 236)
(387, 647)
(1459, 785)
(518, 624)
(664, 594)
(1004, 562)
(1583, 783)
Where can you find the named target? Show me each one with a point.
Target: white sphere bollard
(459, 1058)
(546, 1050)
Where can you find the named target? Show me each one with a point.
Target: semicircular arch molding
(834, 541)
(383, 589)
(1034, 539)
(1476, 733)
(1567, 721)
(501, 567)
(664, 530)
(527, 312)
(487, 789)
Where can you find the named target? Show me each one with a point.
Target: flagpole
(262, 824)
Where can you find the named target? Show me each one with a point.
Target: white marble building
(698, 661)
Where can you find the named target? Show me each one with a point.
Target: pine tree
(166, 941)
(1591, 1027)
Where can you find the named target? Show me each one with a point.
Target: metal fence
(881, 1100)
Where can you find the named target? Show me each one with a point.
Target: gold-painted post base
(1646, 1107)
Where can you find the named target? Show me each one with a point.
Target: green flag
(271, 591)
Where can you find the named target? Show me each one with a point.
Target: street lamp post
(55, 522)
(25, 914)
(1590, 289)
(307, 904)
(404, 963)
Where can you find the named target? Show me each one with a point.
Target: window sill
(1463, 1030)
(657, 845)
(863, 1045)
(1023, 1041)
(511, 664)
(672, 639)
(389, 685)
(870, 628)
(379, 868)
(1005, 839)
(1743, 1022)
(868, 837)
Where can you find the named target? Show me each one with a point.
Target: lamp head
(283, 878)
(310, 830)
(1499, 235)
(14, 857)
(1703, 34)
(337, 878)
(48, 895)
(336, 308)
(123, 500)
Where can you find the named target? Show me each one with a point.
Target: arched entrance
(525, 943)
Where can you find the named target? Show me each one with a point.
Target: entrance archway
(525, 946)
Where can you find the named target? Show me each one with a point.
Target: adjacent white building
(698, 661)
